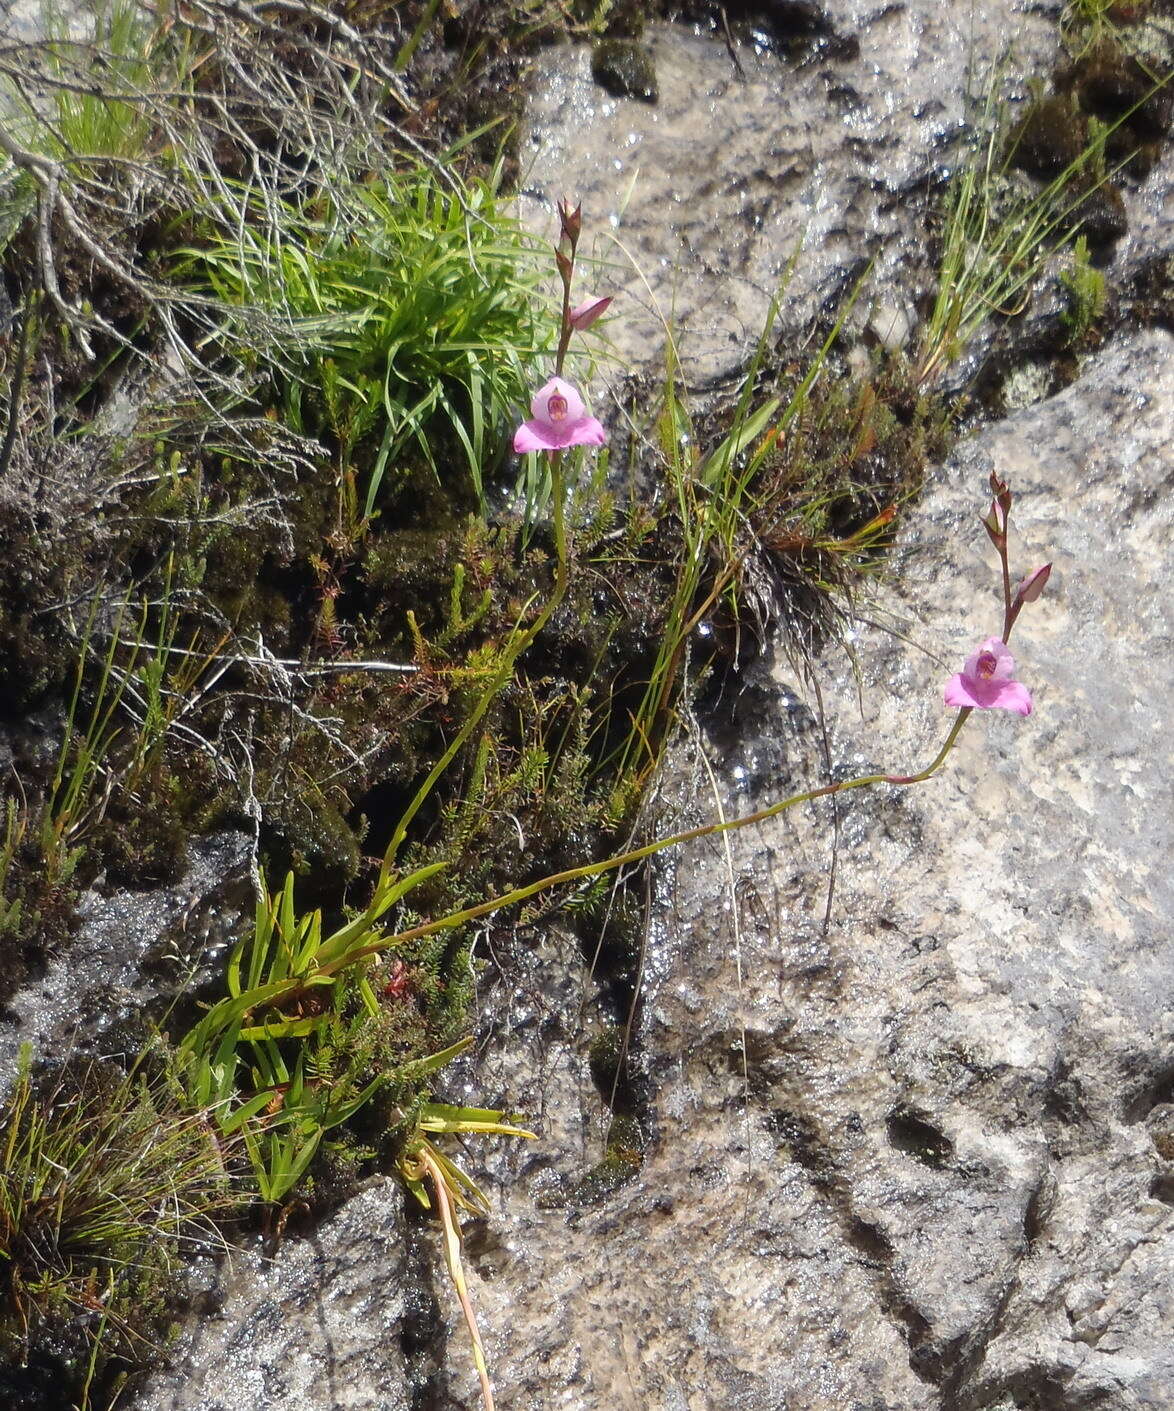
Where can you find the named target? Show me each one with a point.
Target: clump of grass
(782, 517)
(104, 1180)
(406, 313)
(995, 240)
(1107, 114)
(85, 122)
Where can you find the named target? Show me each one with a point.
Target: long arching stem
(594, 869)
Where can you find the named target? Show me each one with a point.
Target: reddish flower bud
(584, 315)
(565, 266)
(1033, 585)
(1002, 496)
(571, 221)
(995, 525)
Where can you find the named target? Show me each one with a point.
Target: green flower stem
(594, 869)
(506, 669)
(565, 329)
(559, 492)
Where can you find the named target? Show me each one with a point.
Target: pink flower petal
(987, 682)
(559, 420)
(957, 693)
(557, 403)
(991, 661)
(587, 432)
(1013, 695)
(535, 436)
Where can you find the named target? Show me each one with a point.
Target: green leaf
(423, 1066)
(358, 933)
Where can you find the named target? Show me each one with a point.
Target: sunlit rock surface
(937, 1171)
(341, 1320)
(788, 176)
(131, 949)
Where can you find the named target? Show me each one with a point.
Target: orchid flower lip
(558, 420)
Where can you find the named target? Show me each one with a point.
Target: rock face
(132, 948)
(745, 180)
(328, 1324)
(921, 1159)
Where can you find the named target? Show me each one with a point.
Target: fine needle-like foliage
(103, 1181)
(997, 235)
(405, 317)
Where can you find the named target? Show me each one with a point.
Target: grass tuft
(405, 314)
(103, 1182)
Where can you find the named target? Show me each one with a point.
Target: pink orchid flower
(584, 315)
(987, 681)
(559, 420)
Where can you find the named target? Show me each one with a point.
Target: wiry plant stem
(611, 864)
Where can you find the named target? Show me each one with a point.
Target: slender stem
(566, 269)
(565, 329)
(558, 489)
(594, 869)
(505, 670)
(1009, 613)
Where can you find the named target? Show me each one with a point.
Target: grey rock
(922, 1159)
(322, 1327)
(131, 948)
(696, 208)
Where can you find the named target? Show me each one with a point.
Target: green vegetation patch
(104, 1181)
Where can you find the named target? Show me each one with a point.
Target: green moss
(1084, 288)
(1050, 136)
(621, 1163)
(1113, 84)
(1100, 214)
(604, 1058)
(625, 69)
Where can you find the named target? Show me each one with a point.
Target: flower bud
(584, 315)
(995, 525)
(571, 221)
(565, 266)
(1033, 585)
